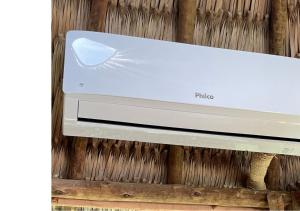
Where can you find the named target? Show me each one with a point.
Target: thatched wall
(293, 25)
(151, 19)
(242, 25)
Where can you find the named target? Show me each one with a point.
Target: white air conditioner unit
(129, 88)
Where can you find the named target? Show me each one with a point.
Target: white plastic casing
(139, 89)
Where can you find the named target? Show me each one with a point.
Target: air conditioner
(129, 88)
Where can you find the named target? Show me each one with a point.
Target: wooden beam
(186, 21)
(126, 205)
(156, 193)
(77, 157)
(295, 200)
(98, 15)
(275, 201)
(175, 164)
(279, 20)
(258, 168)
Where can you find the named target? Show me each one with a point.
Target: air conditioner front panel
(216, 121)
(176, 137)
(139, 89)
(181, 73)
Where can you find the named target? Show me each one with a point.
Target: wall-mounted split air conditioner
(129, 88)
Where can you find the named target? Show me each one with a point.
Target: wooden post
(258, 169)
(175, 164)
(279, 19)
(273, 174)
(77, 157)
(275, 201)
(186, 21)
(98, 15)
(185, 33)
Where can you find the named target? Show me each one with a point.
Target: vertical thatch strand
(57, 112)
(57, 64)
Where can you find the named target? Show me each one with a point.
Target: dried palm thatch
(66, 15)
(57, 112)
(60, 160)
(57, 64)
(69, 15)
(293, 32)
(287, 169)
(241, 25)
(123, 161)
(115, 160)
(226, 168)
(215, 168)
(149, 18)
(290, 173)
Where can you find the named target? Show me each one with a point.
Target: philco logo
(203, 96)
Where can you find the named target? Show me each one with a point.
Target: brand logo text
(204, 96)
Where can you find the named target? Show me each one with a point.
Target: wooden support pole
(157, 193)
(275, 201)
(273, 175)
(98, 15)
(279, 19)
(258, 168)
(77, 157)
(185, 33)
(186, 21)
(175, 164)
